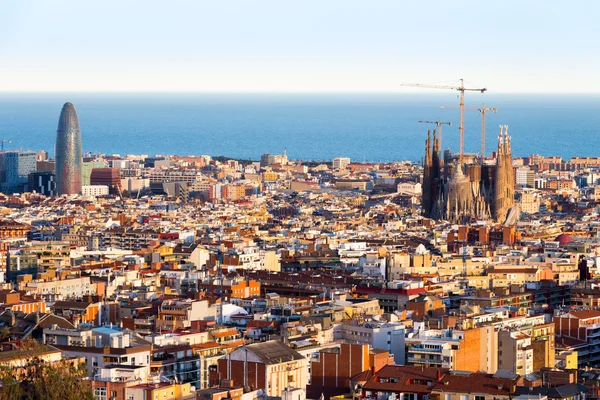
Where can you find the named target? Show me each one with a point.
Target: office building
(86, 170)
(42, 182)
(68, 152)
(107, 176)
(15, 167)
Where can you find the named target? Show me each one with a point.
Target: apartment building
(66, 288)
(579, 331)
(466, 350)
(270, 366)
(101, 347)
(379, 335)
(179, 314)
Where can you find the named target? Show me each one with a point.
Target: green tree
(39, 380)
(4, 332)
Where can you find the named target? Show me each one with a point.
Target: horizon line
(410, 91)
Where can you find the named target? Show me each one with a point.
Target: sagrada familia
(461, 190)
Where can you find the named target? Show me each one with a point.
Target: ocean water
(364, 127)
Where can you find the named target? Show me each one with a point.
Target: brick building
(107, 176)
(271, 366)
(580, 331)
(333, 369)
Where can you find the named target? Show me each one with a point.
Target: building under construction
(460, 189)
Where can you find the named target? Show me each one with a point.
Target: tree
(37, 379)
(4, 333)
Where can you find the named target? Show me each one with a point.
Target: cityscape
(463, 275)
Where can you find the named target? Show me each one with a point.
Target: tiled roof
(274, 352)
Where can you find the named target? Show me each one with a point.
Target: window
(100, 393)
(479, 397)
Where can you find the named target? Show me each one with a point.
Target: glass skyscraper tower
(68, 152)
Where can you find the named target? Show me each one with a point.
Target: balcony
(418, 349)
(415, 360)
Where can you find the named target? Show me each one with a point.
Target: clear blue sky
(297, 46)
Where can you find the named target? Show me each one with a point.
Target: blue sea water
(364, 127)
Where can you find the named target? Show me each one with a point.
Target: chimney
(439, 375)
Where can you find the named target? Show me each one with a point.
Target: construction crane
(483, 110)
(439, 125)
(462, 89)
(4, 141)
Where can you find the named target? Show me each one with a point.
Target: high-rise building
(15, 167)
(86, 170)
(68, 152)
(107, 176)
(42, 182)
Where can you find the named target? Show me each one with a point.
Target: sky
(297, 46)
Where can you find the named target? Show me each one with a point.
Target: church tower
(427, 193)
(504, 182)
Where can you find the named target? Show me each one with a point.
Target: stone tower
(431, 174)
(504, 181)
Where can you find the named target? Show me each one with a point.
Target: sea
(364, 127)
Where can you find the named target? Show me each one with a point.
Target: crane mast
(462, 89)
(4, 141)
(439, 125)
(483, 111)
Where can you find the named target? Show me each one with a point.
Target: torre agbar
(68, 152)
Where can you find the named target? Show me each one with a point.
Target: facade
(580, 331)
(20, 262)
(340, 162)
(68, 152)
(387, 336)
(411, 188)
(335, 366)
(175, 314)
(101, 347)
(106, 177)
(529, 201)
(271, 159)
(525, 177)
(95, 190)
(87, 168)
(42, 182)
(469, 350)
(67, 288)
(15, 167)
(468, 190)
(271, 366)
(516, 352)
